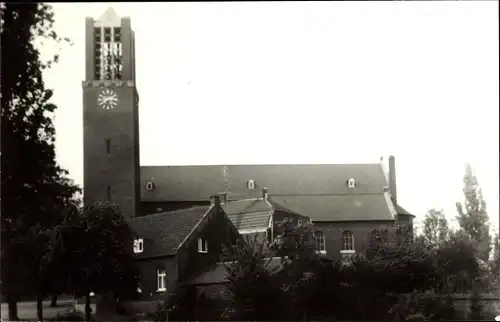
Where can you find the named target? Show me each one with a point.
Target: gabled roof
(253, 214)
(402, 211)
(193, 183)
(249, 214)
(163, 233)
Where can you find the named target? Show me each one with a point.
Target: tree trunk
(53, 302)
(39, 307)
(12, 303)
(87, 307)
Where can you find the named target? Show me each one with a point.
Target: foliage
(423, 306)
(266, 279)
(34, 188)
(101, 257)
(392, 264)
(476, 307)
(436, 229)
(72, 315)
(96, 246)
(495, 261)
(472, 215)
(399, 263)
(457, 263)
(254, 291)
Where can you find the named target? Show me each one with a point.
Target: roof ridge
(178, 211)
(208, 211)
(260, 164)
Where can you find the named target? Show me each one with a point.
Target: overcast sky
(324, 82)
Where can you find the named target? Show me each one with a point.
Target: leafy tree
(436, 229)
(34, 188)
(393, 263)
(101, 259)
(296, 245)
(255, 294)
(261, 289)
(457, 263)
(472, 215)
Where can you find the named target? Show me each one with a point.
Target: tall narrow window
(138, 245)
(202, 245)
(320, 241)
(108, 146)
(162, 280)
(108, 192)
(347, 241)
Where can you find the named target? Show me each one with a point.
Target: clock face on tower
(107, 99)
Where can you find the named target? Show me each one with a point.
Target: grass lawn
(27, 310)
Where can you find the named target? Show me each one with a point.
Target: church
(182, 214)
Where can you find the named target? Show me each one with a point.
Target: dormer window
(202, 245)
(150, 186)
(351, 183)
(138, 245)
(251, 184)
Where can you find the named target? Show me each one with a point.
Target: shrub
(72, 315)
(416, 317)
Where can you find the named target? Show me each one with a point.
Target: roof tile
(164, 232)
(339, 207)
(190, 183)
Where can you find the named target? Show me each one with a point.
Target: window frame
(137, 242)
(202, 242)
(348, 240)
(150, 186)
(161, 275)
(320, 241)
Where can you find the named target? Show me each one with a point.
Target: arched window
(347, 241)
(320, 241)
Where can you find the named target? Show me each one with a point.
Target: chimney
(265, 194)
(223, 197)
(392, 179)
(215, 200)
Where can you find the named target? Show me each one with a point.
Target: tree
(295, 244)
(457, 263)
(99, 253)
(436, 230)
(393, 263)
(495, 261)
(264, 289)
(472, 215)
(255, 295)
(34, 188)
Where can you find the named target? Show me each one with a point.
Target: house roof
(253, 213)
(355, 207)
(319, 191)
(218, 274)
(164, 232)
(249, 214)
(192, 183)
(402, 211)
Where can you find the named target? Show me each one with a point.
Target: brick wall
(333, 234)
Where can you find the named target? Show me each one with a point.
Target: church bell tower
(111, 114)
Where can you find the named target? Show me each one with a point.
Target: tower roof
(109, 19)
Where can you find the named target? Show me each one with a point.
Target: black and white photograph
(250, 161)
